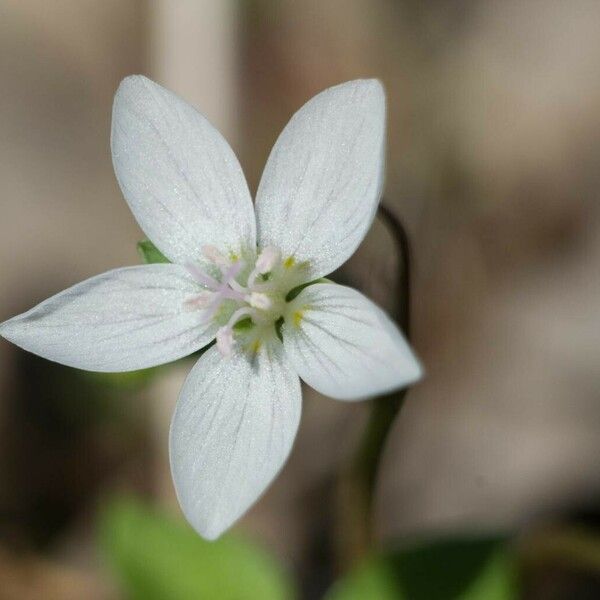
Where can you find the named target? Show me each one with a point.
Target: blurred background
(493, 167)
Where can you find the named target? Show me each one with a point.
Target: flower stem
(356, 486)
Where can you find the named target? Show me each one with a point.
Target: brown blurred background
(493, 165)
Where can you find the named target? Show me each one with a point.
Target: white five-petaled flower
(233, 268)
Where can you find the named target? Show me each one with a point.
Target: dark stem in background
(354, 526)
(402, 292)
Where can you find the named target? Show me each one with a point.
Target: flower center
(246, 302)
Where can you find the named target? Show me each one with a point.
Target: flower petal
(345, 346)
(320, 188)
(180, 177)
(232, 430)
(122, 320)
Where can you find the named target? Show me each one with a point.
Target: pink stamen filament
(201, 277)
(245, 311)
(211, 298)
(217, 291)
(237, 287)
(225, 339)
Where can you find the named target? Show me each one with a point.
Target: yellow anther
(289, 262)
(297, 317)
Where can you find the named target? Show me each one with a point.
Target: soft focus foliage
(453, 569)
(156, 557)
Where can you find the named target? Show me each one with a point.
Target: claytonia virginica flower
(236, 275)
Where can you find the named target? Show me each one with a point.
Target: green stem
(356, 486)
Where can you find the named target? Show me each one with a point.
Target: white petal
(122, 320)
(345, 346)
(232, 430)
(179, 176)
(320, 188)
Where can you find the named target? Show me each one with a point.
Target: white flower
(233, 268)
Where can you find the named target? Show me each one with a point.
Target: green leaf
(150, 254)
(497, 580)
(450, 569)
(156, 558)
(374, 580)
